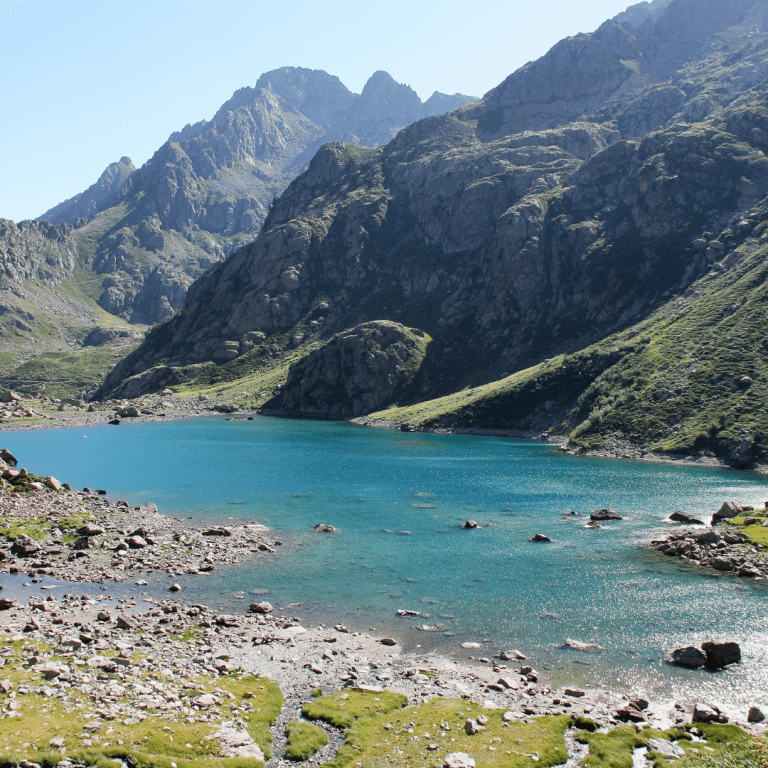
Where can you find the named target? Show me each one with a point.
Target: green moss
(343, 708)
(304, 740)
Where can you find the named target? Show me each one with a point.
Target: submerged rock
(601, 515)
(324, 528)
(682, 517)
(690, 657)
(540, 537)
(719, 655)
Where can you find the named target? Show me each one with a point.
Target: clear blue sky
(87, 81)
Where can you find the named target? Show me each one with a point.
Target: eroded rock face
(355, 373)
(34, 250)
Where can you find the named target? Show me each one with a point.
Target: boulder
(601, 515)
(686, 519)
(136, 542)
(666, 748)
(755, 715)
(262, 608)
(719, 655)
(218, 530)
(90, 529)
(8, 457)
(324, 528)
(388, 641)
(708, 713)
(728, 510)
(541, 537)
(458, 760)
(469, 524)
(130, 411)
(472, 727)
(690, 657)
(707, 537)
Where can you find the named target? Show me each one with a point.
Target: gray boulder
(602, 515)
(690, 657)
(682, 517)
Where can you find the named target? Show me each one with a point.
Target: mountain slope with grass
(584, 198)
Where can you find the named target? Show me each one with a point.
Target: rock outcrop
(356, 372)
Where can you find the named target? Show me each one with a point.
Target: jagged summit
(206, 191)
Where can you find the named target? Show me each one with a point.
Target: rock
(541, 537)
(683, 517)
(25, 547)
(175, 588)
(708, 713)
(469, 524)
(690, 657)
(324, 528)
(136, 542)
(123, 622)
(630, 714)
(601, 515)
(115, 422)
(356, 372)
(90, 529)
(52, 483)
(728, 510)
(218, 530)
(8, 457)
(707, 537)
(577, 645)
(666, 748)
(755, 715)
(7, 603)
(262, 608)
(719, 655)
(130, 411)
(576, 693)
(472, 727)
(458, 760)
(388, 641)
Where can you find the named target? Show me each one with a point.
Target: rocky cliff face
(586, 191)
(356, 372)
(207, 190)
(35, 250)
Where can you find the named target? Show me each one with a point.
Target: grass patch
(156, 738)
(615, 748)
(755, 532)
(404, 735)
(304, 740)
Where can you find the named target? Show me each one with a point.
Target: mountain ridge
(507, 242)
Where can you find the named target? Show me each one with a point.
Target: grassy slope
(671, 383)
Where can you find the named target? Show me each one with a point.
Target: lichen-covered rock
(357, 372)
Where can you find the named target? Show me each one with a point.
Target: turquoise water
(398, 501)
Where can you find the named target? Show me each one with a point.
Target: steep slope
(53, 337)
(506, 241)
(98, 197)
(207, 190)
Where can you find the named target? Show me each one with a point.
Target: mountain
(98, 197)
(53, 337)
(594, 193)
(150, 232)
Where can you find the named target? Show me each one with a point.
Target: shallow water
(398, 501)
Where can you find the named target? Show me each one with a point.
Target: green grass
(380, 730)
(615, 748)
(304, 740)
(156, 741)
(756, 533)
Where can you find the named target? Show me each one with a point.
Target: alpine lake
(398, 501)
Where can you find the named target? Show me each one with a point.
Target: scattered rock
(755, 715)
(666, 748)
(708, 713)
(324, 528)
(469, 524)
(719, 655)
(690, 657)
(601, 515)
(683, 517)
(541, 537)
(458, 760)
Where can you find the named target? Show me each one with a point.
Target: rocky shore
(727, 546)
(39, 412)
(133, 672)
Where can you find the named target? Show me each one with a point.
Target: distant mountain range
(582, 251)
(151, 231)
(128, 247)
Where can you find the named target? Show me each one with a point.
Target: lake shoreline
(561, 444)
(88, 539)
